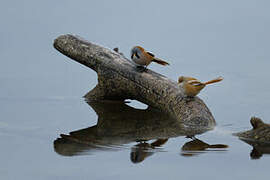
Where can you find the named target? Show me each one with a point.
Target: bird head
(136, 51)
(181, 79)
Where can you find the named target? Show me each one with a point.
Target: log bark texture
(120, 79)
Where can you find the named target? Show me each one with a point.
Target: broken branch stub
(120, 79)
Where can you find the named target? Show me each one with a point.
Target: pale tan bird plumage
(193, 86)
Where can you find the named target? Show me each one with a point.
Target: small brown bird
(144, 58)
(193, 86)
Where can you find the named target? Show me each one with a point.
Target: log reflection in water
(119, 124)
(259, 148)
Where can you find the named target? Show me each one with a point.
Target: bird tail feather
(214, 80)
(160, 61)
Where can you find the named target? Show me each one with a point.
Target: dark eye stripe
(136, 54)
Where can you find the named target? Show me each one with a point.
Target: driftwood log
(120, 79)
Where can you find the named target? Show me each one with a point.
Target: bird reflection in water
(143, 150)
(197, 146)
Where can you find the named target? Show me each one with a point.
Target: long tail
(218, 146)
(159, 61)
(214, 80)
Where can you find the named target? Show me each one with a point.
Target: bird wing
(151, 54)
(194, 82)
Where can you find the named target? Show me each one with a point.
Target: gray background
(41, 90)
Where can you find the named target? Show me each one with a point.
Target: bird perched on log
(144, 58)
(193, 86)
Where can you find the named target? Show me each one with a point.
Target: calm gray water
(41, 90)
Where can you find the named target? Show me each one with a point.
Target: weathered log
(120, 79)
